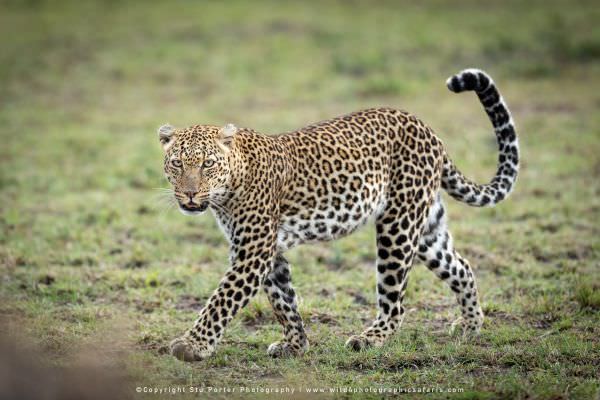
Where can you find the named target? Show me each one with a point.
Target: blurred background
(91, 256)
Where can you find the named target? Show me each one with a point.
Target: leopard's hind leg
(282, 296)
(436, 249)
(398, 229)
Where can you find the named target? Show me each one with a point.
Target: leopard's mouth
(193, 208)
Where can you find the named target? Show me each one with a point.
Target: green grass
(90, 260)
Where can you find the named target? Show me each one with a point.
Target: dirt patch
(501, 316)
(147, 306)
(438, 327)
(256, 318)
(10, 262)
(550, 228)
(322, 318)
(577, 253)
(190, 303)
(358, 298)
(46, 279)
(83, 261)
(135, 264)
(436, 307)
(491, 371)
(482, 258)
(271, 375)
(545, 322)
(152, 344)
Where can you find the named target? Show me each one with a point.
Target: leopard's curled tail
(453, 181)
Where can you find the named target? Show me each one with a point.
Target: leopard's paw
(284, 349)
(358, 343)
(184, 349)
(466, 328)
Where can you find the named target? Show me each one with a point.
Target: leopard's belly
(327, 221)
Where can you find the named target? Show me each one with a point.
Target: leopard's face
(196, 164)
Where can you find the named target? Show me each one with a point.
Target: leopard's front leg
(252, 259)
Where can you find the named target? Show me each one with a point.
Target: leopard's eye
(176, 163)
(208, 163)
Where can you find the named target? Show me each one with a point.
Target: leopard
(271, 193)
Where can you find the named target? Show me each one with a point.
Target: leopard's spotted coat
(271, 193)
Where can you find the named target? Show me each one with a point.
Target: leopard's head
(197, 164)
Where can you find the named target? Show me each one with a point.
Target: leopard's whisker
(163, 190)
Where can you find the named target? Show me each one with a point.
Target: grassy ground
(92, 263)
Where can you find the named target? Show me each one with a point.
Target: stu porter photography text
(291, 390)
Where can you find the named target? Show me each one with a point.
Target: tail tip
(469, 79)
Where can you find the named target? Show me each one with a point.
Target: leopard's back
(341, 170)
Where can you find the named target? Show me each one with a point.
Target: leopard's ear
(226, 135)
(165, 135)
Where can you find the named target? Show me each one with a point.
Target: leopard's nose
(190, 195)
